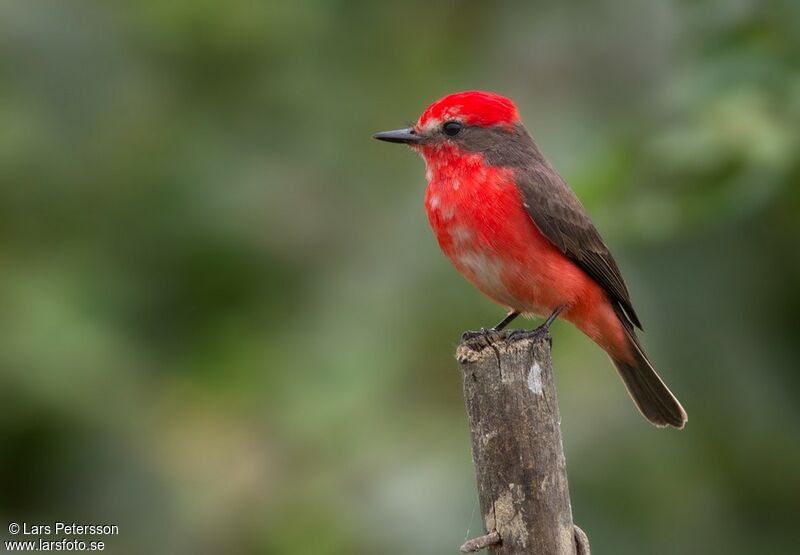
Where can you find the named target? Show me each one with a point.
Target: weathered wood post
(516, 446)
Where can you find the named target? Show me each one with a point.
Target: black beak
(406, 136)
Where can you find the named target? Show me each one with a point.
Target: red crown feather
(472, 108)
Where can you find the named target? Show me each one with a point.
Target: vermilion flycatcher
(513, 227)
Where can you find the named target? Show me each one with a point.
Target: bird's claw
(474, 334)
(536, 333)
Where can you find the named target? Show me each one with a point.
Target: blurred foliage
(226, 327)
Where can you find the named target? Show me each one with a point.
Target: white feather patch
(487, 270)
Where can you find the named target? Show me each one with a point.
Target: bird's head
(463, 124)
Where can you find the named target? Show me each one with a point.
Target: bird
(516, 231)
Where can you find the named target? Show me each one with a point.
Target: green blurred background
(225, 325)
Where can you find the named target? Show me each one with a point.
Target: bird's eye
(451, 128)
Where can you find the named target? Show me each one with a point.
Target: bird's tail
(652, 397)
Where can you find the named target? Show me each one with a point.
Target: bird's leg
(498, 327)
(543, 329)
(505, 321)
(552, 318)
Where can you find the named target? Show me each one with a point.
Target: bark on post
(516, 446)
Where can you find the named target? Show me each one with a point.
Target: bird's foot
(483, 333)
(488, 336)
(542, 331)
(539, 332)
(490, 332)
(475, 341)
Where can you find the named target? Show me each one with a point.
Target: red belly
(483, 227)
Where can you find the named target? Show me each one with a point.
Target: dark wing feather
(561, 217)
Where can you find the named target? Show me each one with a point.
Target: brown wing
(561, 217)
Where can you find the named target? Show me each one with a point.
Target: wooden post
(516, 446)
